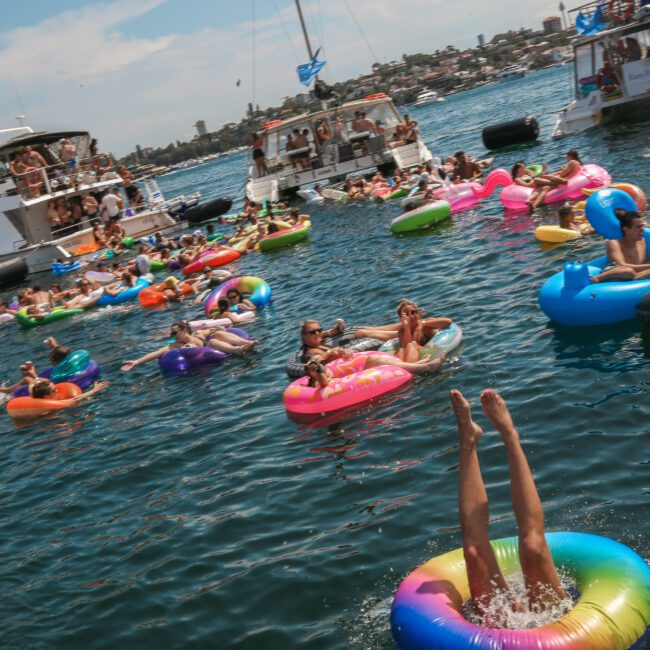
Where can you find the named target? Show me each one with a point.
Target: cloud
(78, 70)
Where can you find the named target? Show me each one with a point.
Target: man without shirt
(629, 255)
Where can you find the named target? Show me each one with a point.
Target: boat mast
(304, 30)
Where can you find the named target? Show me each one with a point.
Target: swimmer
(567, 216)
(223, 311)
(543, 587)
(45, 389)
(185, 337)
(88, 295)
(237, 299)
(521, 176)
(628, 255)
(127, 281)
(311, 336)
(562, 176)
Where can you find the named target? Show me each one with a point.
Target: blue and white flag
(588, 26)
(308, 71)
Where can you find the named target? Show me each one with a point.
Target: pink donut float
(352, 384)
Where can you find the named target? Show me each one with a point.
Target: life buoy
(626, 15)
(272, 123)
(369, 98)
(33, 177)
(104, 163)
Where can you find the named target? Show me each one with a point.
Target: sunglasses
(411, 312)
(316, 331)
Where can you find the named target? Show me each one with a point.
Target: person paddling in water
(543, 587)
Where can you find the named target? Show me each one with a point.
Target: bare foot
(250, 344)
(495, 408)
(468, 431)
(433, 365)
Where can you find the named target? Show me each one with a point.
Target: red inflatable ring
(626, 15)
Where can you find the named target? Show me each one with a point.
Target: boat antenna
(304, 30)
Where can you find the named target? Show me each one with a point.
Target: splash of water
(511, 609)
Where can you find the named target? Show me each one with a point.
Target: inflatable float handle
(576, 275)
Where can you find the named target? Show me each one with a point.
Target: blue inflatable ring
(600, 207)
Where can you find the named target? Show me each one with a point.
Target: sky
(144, 71)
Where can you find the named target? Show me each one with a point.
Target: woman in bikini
(543, 587)
(185, 337)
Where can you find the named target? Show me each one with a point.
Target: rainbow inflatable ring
(612, 612)
(259, 290)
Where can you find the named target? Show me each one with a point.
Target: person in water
(311, 337)
(567, 219)
(237, 299)
(542, 583)
(628, 255)
(521, 176)
(46, 389)
(569, 170)
(185, 337)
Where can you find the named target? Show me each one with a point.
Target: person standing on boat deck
(379, 128)
(91, 207)
(368, 124)
(68, 153)
(52, 216)
(33, 158)
(65, 216)
(258, 154)
(111, 205)
(126, 175)
(302, 141)
(358, 124)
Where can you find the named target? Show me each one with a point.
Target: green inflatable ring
(399, 193)
(73, 364)
(58, 313)
(128, 242)
(157, 265)
(536, 169)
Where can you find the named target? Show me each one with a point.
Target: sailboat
(345, 150)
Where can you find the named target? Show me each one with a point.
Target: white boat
(348, 152)
(427, 97)
(25, 232)
(627, 96)
(512, 72)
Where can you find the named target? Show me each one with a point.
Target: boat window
(584, 67)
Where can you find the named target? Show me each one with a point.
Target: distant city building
(481, 40)
(200, 128)
(552, 25)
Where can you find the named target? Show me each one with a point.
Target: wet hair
(37, 287)
(626, 217)
(458, 154)
(565, 211)
(572, 153)
(422, 185)
(223, 304)
(515, 168)
(59, 353)
(42, 389)
(233, 290)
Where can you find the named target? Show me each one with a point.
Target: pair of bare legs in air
(541, 580)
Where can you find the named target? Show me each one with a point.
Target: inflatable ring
(59, 268)
(24, 408)
(555, 234)
(213, 259)
(155, 294)
(443, 341)
(613, 610)
(84, 378)
(422, 217)
(282, 238)
(600, 211)
(57, 313)
(259, 290)
(181, 360)
(84, 249)
(620, 17)
(633, 190)
(124, 296)
(352, 384)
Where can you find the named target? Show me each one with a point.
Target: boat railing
(620, 8)
(35, 182)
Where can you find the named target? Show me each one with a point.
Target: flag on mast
(307, 71)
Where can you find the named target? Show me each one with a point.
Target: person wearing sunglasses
(311, 336)
(236, 299)
(185, 337)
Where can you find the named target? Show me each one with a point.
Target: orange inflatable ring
(104, 163)
(25, 408)
(626, 15)
(87, 248)
(33, 177)
(155, 294)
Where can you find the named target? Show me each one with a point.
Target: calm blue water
(191, 512)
